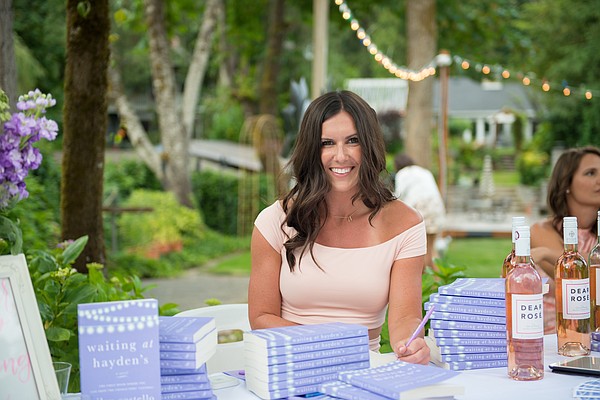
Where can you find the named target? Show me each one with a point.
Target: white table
(480, 384)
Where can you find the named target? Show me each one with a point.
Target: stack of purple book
(295, 360)
(595, 343)
(468, 324)
(186, 343)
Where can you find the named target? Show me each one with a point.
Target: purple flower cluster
(17, 154)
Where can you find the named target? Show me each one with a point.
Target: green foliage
(223, 117)
(59, 288)
(38, 215)
(216, 193)
(125, 176)
(532, 166)
(167, 224)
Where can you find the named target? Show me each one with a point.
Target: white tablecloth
(480, 384)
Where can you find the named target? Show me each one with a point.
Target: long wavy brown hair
(560, 182)
(305, 204)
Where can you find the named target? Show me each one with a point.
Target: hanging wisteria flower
(20, 131)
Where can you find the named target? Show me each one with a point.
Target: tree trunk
(268, 85)
(422, 47)
(175, 156)
(135, 130)
(197, 69)
(84, 127)
(8, 69)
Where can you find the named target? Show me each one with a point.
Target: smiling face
(585, 187)
(341, 152)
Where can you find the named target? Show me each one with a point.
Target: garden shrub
(161, 230)
(217, 192)
(125, 176)
(532, 166)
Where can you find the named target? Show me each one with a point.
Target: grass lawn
(483, 258)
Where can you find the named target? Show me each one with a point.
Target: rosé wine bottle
(594, 264)
(571, 275)
(524, 313)
(509, 260)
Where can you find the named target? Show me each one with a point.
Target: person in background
(339, 246)
(574, 191)
(416, 186)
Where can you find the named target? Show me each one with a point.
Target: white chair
(229, 356)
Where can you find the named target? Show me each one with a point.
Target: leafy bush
(59, 288)
(217, 195)
(532, 166)
(126, 176)
(165, 225)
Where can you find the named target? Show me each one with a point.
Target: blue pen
(421, 325)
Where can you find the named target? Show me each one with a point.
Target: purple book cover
(473, 357)
(251, 357)
(486, 319)
(187, 364)
(466, 365)
(468, 326)
(470, 342)
(184, 387)
(596, 336)
(208, 341)
(183, 371)
(455, 333)
(309, 364)
(292, 383)
(342, 390)
(290, 335)
(467, 309)
(394, 378)
(471, 349)
(188, 378)
(492, 288)
(286, 375)
(195, 395)
(118, 350)
(307, 347)
(475, 301)
(184, 329)
(284, 393)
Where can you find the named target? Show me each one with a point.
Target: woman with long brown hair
(339, 246)
(573, 190)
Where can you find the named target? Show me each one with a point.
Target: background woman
(573, 190)
(339, 246)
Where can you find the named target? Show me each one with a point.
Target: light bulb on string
(360, 33)
(588, 94)
(485, 69)
(366, 42)
(546, 86)
(465, 64)
(526, 81)
(505, 74)
(567, 91)
(339, 2)
(354, 25)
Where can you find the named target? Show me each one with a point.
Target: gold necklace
(347, 218)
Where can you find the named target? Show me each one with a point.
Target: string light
(400, 72)
(527, 79)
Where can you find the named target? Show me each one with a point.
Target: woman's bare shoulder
(543, 226)
(544, 234)
(398, 214)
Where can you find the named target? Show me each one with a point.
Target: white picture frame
(26, 369)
